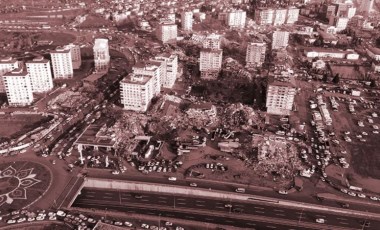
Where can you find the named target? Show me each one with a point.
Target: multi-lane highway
(226, 212)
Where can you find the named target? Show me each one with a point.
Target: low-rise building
(374, 53)
(330, 53)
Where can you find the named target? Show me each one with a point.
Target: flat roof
(60, 50)
(89, 137)
(327, 50)
(374, 50)
(16, 72)
(38, 60)
(7, 60)
(138, 79)
(275, 82)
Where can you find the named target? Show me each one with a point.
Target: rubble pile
(238, 114)
(68, 99)
(277, 157)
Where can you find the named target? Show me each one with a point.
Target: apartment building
(210, 63)
(62, 63)
(40, 74)
(280, 39)
(167, 32)
(280, 97)
(255, 56)
(366, 7)
(292, 15)
(211, 41)
(236, 19)
(7, 64)
(18, 87)
(136, 92)
(264, 16)
(170, 66)
(101, 55)
(75, 55)
(187, 20)
(280, 17)
(155, 69)
(340, 23)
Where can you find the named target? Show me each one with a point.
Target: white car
(61, 213)
(128, 224)
(375, 127)
(22, 219)
(146, 226)
(11, 221)
(361, 195)
(373, 198)
(172, 178)
(30, 219)
(115, 172)
(320, 220)
(344, 190)
(365, 134)
(283, 192)
(193, 185)
(351, 193)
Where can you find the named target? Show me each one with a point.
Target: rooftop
(60, 50)
(38, 60)
(7, 60)
(16, 72)
(138, 79)
(90, 137)
(374, 50)
(275, 82)
(327, 50)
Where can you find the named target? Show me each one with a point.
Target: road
(175, 206)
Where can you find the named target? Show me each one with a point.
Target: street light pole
(299, 219)
(159, 220)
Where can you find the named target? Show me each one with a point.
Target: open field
(18, 124)
(349, 72)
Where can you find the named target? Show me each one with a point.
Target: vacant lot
(18, 124)
(349, 72)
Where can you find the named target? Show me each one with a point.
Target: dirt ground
(10, 125)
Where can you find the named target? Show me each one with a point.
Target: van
(240, 190)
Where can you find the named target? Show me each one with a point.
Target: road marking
(191, 217)
(107, 197)
(259, 208)
(280, 214)
(229, 221)
(144, 200)
(278, 210)
(200, 201)
(341, 218)
(169, 214)
(90, 196)
(181, 203)
(252, 224)
(108, 193)
(162, 201)
(209, 219)
(181, 199)
(320, 215)
(219, 203)
(260, 212)
(151, 213)
(299, 213)
(90, 192)
(271, 227)
(239, 205)
(219, 207)
(343, 223)
(162, 197)
(199, 205)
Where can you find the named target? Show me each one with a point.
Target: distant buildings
(366, 6)
(330, 53)
(40, 74)
(236, 19)
(268, 16)
(340, 23)
(18, 87)
(187, 20)
(280, 97)
(167, 32)
(170, 65)
(101, 55)
(137, 90)
(210, 63)
(255, 54)
(62, 63)
(6, 65)
(280, 39)
(75, 55)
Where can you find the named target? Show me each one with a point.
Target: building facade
(236, 19)
(280, 17)
(167, 32)
(62, 63)
(75, 55)
(280, 39)
(6, 65)
(18, 87)
(187, 20)
(280, 98)
(210, 63)
(255, 56)
(212, 41)
(136, 92)
(170, 66)
(292, 15)
(40, 74)
(101, 55)
(366, 7)
(155, 69)
(276, 17)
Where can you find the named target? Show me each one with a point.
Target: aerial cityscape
(189, 114)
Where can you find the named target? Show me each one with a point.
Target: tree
(336, 79)
(324, 79)
(373, 83)
(378, 42)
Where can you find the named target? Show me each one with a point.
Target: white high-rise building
(62, 63)
(170, 65)
(280, 17)
(75, 55)
(255, 54)
(280, 98)
(212, 41)
(264, 16)
(101, 55)
(151, 68)
(366, 6)
(210, 63)
(18, 87)
(292, 15)
(280, 39)
(136, 92)
(6, 65)
(40, 74)
(187, 20)
(236, 19)
(167, 32)
(340, 23)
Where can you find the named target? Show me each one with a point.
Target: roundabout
(21, 184)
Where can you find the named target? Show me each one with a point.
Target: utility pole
(159, 220)
(365, 221)
(299, 219)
